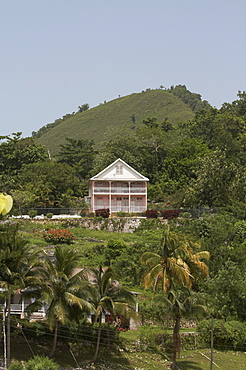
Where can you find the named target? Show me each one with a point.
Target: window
(119, 169)
(99, 201)
(125, 201)
(139, 201)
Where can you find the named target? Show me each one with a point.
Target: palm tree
(178, 263)
(109, 297)
(16, 258)
(182, 303)
(60, 288)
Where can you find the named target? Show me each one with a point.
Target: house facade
(120, 188)
(18, 305)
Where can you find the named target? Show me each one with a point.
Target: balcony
(19, 308)
(115, 190)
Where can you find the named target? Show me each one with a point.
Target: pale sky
(59, 54)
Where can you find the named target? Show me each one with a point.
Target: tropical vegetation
(195, 160)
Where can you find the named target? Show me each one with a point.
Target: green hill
(99, 122)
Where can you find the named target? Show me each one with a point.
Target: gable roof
(128, 173)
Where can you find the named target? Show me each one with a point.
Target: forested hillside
(197, 162)
(100, 123)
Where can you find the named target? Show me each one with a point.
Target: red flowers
(104, 212)
(58, 236)
(151, 213)
(170, 213)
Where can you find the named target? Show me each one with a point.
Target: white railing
(20, 308)
(114, 209)
(115, 190)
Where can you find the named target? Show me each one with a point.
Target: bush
(58, 236)
(32, 213)
(226, 333)
(170, 213)
(49, 215)
(186, 215)
(35, 363)
(121, 214)
(104, 213)
(16, 366)
(41, 363)
(151, 213)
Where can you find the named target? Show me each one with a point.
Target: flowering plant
(151, 213)
(58, 236)
(170, 213)
(103, 212)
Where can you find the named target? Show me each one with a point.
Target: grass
(200, 360)
(128, 356)
(98, 123)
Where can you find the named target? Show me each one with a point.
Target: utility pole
(4, 336)
(212, 344)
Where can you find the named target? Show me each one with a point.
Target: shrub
(41, 363)
(149, 224)
(225, 333)
(151, 213)
(32, 213)
(170, 213)
(186, 215)
(121, 214)
(49, 215)
(16, 366)
(103, 212)
(35, 363)
(58, 236)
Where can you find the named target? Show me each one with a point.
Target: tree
(221, 129)
(226, 292)
(144, 148)
(83, 107)
(23, 199)
(79, 154)
(52, 183)
(16, 152)
(16, 258)
(109, 296)
(177, 265)
(60, 288)
(218, 182)
(180, 303)
(192, 99)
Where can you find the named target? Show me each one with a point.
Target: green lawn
(129, 357)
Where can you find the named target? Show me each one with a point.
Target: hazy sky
(59, 54)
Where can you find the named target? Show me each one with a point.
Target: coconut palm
(109, 297)
(177, 265)
(182, 303)
(16, 258)
(60, 288)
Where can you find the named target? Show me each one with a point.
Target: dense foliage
(198, 165)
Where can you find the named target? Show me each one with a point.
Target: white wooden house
(120, 188)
